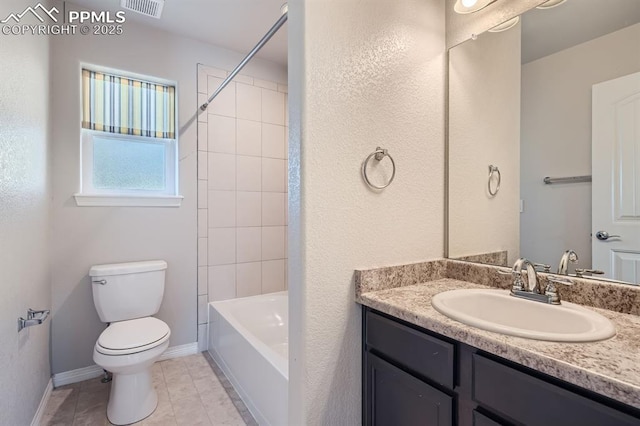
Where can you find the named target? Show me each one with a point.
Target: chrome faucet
(533, 290)
(567, 256)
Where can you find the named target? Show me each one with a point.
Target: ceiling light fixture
(505, 25)
(470, 6)
(550, 4)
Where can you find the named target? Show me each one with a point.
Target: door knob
(604, 235)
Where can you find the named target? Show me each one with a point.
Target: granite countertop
(610, 367)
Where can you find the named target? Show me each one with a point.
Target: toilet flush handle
(101, 282)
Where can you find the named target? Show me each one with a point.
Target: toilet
(126, 295)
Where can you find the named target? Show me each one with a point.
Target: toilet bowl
(125, 296)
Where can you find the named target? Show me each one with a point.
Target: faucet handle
(552, 292)
(580, 272)
(559, 280)
(545, 268)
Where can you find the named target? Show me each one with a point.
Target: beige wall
(24, 219)
(360, 76)
(556, 141)
(84, 236)
(484, 128)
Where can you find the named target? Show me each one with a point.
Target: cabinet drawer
(530, 400)
(396, 398)
(480, 419)
(428, 356)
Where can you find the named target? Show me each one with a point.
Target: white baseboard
(86, 373)
(37, 418)
(178, 351)
(75, 376)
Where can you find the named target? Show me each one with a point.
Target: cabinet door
(396, 398)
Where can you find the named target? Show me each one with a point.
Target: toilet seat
(132, 336)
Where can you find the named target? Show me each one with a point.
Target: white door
(616, 178)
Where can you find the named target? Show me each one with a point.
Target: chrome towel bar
(572, 179)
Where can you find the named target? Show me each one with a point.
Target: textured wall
(361, 75)
(556, 141)
(484, 128)
(84, 236)
(24, 219)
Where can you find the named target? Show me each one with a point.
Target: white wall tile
(222, 134)
(286, 142)
(222, 171)
(283, 88)
(286, 274)
(203, 165)
(202, 194)
(272, 107)
(285, 173)
(202, 251)
(222, 282)
(272, 242)
(241, 78)
(286, 209)
(248, 102)
(225, 102)
(202, 223)
(272, 141)
(222, 246)
(202, 137)
(248, 173)
(248, 208)
(202, 309)
(265, 84)
(248, 242)
(273, 276)
(286, 110)
(248, 137)
(202, 115)
(222, 209)
(212, 71)
(273, 209)
(202, 80)
(248, 279)
(203, 336)
(273, 176)
(203, 280)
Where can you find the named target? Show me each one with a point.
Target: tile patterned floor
(191, 390)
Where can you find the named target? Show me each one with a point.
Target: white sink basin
(497, 311)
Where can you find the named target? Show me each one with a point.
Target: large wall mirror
(544, 141)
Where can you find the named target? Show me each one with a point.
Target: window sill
(102, 200)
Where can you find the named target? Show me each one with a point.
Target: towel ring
(378, 155)
(493, 170)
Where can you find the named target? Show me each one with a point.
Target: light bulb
(469, 3)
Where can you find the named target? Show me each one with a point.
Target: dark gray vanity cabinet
(415, 377)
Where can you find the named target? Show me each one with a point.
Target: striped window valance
(115, 104)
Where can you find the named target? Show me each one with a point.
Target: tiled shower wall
(242, 189)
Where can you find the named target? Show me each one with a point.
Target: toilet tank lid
(127, 268)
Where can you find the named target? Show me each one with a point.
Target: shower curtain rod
(251, 54)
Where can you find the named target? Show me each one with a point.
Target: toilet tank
(123, 291)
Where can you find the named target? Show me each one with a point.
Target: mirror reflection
(544, 141)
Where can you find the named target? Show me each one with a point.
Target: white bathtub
(248, 338)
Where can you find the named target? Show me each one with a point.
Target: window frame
(90, 196)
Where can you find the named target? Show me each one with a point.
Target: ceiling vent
(151, 8)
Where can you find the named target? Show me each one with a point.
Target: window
(128, 142)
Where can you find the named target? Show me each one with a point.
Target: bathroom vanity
(421, 367)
